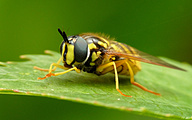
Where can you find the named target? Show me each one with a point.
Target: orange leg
(50, 69)
(108, 67)
(60, 73)
(41, 69)
(137, 84)
(55, 66)
(117, 81)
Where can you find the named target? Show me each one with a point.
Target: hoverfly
(98, 54)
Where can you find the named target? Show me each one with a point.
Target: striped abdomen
(120, 47)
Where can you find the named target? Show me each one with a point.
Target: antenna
(63, 34)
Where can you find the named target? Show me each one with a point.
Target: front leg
(59, 73)
(56, 65)
(51, 66)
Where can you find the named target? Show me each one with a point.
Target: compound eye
(80, 49)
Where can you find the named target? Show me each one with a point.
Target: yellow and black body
(87, 52)
(99, 54)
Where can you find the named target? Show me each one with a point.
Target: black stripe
(118, 46)
(73, 62)
(87, 63)
(128, 48)
(65, 53)
(121, 69)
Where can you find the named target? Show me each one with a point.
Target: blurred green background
(158, 27)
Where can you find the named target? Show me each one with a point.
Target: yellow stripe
(70, 54)
(116, 48)
(103, 39)
(134, 52)
(92, 64)
(94, 56)
(126, 49)
(92, 46)
(102, 44)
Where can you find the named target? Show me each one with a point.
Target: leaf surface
(175, 86)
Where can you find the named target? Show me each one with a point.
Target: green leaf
(175, 87)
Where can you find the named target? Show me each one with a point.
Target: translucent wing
(143, 57)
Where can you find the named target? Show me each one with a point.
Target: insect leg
(60, 73)
(135, 83)
(109, 67)
(55, 66)
(117, 81)
(50, 69)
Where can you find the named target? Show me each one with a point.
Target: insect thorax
(98, 47)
